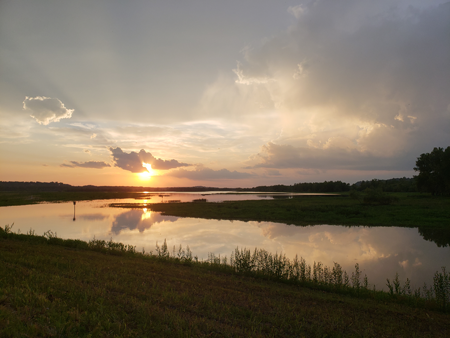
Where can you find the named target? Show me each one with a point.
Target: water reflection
(439, 236)
(138, 219)
(381, 251)
(93, 217)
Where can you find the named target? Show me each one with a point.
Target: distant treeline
(56, 186)
(33, 186)
(391, 185)
(327, 186)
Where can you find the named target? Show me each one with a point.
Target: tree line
(434, 172)
(391, 185)
(433, 177)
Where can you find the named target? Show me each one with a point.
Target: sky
(221, 93)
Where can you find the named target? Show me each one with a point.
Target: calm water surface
(380, 251)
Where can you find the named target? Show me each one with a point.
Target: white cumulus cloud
(46, 109)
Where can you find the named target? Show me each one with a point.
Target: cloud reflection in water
(138, 219)
(380, 251)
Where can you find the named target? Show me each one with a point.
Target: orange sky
(221, 94)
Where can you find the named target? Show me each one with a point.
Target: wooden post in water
(74, 210)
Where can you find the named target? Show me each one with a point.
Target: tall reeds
(263, 264)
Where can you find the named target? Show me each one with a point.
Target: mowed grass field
(55, 291)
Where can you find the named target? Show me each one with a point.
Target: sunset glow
(146, 214)
(305, 91)
(148, 173)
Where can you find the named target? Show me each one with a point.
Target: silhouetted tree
(434, 171)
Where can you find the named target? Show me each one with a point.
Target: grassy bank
(408, 211)
(72, 289)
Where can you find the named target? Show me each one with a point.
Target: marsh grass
(377, 197)
(263, 264)
(200, 200)
(54, 287)
(442, 288)
(408, 210)
(404, 210)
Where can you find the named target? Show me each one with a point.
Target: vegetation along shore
(353, 208)
(408, 210)
(55, 287)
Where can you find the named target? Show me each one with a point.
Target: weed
(162, 252)
(356, 278)
(8, 228)
(442, 288)
(377, 196)
(261, 263)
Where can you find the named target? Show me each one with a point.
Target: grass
(408, 211)
(102, 289)
(405, 210)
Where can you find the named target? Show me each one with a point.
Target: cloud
(202, 173)
(314, 172)
(367, 77)
(133, 161)
(296, 11)
(273, 172)
(89, 164)
(138, 219)
(8, 133)
(45, 109)
(317, 160)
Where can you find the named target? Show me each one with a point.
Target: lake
(380, 251)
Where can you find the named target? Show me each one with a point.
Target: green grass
(74, 289)
(407, 211)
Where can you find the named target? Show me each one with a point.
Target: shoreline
(60, 287)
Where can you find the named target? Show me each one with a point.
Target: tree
(434, 171)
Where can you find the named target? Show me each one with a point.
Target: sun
(148, 173)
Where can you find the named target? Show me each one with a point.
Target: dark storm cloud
(366, 59)
(133, 161)
(289, 157)
(89, 164)
(368, 80)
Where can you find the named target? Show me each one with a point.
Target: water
(218, 196)
(380, 251)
